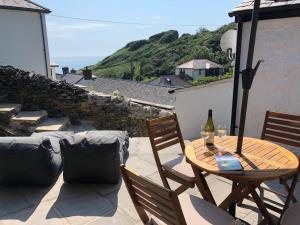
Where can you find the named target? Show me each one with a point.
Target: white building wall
(21, 41)
(277, 84)
(192, 105)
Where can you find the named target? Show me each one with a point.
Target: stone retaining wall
(36, 92)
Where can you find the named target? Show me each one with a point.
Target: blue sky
(83, 38)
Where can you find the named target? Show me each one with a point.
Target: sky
(80, 38)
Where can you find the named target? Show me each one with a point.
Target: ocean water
(75, 62)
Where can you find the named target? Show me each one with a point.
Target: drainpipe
(44, 46)
(236, 76)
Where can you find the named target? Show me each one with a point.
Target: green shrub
(209, 79)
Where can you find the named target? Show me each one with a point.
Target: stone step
(7, 110)
(28, 118)
(53, 124)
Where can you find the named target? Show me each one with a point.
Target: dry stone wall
(36, 92)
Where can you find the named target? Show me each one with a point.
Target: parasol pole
(248, 74)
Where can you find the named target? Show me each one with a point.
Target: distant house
(171, 81)
(23, 38)
(199, 67)
(53, 67)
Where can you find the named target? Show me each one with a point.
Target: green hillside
(158, 55)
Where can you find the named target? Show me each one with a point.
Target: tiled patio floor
(74, 204)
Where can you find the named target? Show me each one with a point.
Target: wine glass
(222, 132)
(204, 134)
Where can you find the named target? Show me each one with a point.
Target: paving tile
(114, 218)
(123, 202)
(142, 167)
(84, 208)
(105, 189)
(59, 189)
(12, 200)
(35, 216)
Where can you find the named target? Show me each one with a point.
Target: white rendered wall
(21, 41)
(277, 84)
(192, 105)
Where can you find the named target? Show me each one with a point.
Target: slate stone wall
(36, 92)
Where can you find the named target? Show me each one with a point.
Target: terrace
(78, 204)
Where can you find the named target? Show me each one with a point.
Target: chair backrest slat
(156, 200)
(282, 128)
(164, 132)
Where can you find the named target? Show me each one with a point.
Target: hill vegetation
(159, 55)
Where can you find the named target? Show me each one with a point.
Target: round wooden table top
(262, 160)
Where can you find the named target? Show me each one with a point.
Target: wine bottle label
(210, 139)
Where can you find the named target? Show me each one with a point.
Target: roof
(24, 5)
(171, 81)
(71, 78)
(246, 6)
(197, 64)
(145, 92)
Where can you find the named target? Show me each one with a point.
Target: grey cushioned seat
(94, 156)
(292, 215)
(29, 160)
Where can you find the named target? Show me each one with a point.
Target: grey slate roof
(145, 92)
(199, 64)
(71, 78)
(171, 81)
(25, 5)
(247, 5)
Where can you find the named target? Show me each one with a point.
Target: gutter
(43, 10)
(44, 46)
(266, 10)
(236, 76)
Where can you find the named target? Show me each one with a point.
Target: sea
(75, 62)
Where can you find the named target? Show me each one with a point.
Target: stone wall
(36, 92)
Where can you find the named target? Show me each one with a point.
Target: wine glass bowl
(222, 131)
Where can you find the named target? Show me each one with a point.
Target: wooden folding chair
(166, 208)
(165, 132)
(284, 129)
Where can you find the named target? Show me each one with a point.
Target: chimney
(87, 73)
(73, 70)
(65, 70)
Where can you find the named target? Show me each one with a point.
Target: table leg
(237, 194)
(261, 206)
(203, 186)
(232, 207)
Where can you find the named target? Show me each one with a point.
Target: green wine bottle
(210, 129)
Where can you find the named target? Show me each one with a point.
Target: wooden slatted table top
(262, 160)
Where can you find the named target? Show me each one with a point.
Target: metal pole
(248, 75)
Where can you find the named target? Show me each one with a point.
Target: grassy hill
(159, 55)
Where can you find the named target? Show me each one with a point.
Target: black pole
(236, 76)
(232, 207)
(248, 75)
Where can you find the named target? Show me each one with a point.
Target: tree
(138, 72)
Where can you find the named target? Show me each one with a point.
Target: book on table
(229, 163)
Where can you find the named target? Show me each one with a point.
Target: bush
(132, 46)
(209, 79)
(169, 37)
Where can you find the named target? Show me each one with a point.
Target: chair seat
(292, 215)
(197, 211)
(180, 168)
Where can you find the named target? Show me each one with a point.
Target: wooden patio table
(262, 161)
